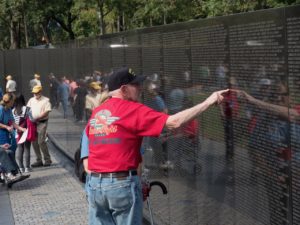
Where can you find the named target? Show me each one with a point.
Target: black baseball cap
(123, 76)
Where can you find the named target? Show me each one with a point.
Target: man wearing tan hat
(11, 85)
(92, 100)
(35, 81)
(40, 107)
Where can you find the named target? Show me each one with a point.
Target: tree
(11, 16)
(34, 22)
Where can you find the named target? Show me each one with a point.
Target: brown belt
(120, 174)
(42, 121)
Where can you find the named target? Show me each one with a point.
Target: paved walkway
(52, 195)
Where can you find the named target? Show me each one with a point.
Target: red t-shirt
(115, 132)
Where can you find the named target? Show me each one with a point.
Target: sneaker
(37, 164)
(22, 170)
(2, 178)
(16, 178)
(27, 170)
(24, 176)
(11, 177)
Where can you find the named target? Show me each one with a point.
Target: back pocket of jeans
(119, 197)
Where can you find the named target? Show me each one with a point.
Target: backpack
(78, 166)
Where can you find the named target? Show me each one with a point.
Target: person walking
(72, 86)
(35, 81)
(115, 132)
(63, 92)
(11, 85)
(53, 85)
(92, 100)
(40, 108)
(79, 100)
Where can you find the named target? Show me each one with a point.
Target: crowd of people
(24, 124)
(83, 95)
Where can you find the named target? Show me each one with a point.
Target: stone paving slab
(50, 196)
(6, 215)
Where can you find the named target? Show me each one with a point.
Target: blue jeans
(7, 161)
(115, 201)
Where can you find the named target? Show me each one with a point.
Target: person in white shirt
(11, 85)
(40, 108)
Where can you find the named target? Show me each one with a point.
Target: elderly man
(11, 85)
(40, 108)
(115, 132)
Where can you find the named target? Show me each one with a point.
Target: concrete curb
(60, 148)
(6, 215)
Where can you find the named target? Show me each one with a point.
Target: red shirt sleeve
(150, 122)
(87, 127)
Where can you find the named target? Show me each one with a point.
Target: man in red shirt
(115, 132)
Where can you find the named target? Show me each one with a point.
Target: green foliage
(34, 22)
(87, 24)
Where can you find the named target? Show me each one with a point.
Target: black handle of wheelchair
(161, 185)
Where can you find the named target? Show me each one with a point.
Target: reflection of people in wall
(229, 112)
(53, 86)
(204, 73)
(181, 144)
(259, 125)
(63, 92)
(221, 72)
(79, 100)
(156, 102)
(176, 100)
(277, 163)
